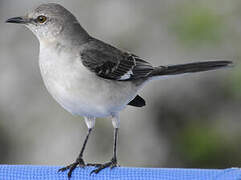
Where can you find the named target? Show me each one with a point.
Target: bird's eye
(41, 19)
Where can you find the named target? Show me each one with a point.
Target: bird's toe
(79, 162)
(112, 164)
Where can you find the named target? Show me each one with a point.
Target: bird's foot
(111, 164)
(79, 162)
(94, 164)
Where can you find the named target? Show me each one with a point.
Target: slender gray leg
(113, 162)
(79, 161)
(115, 145)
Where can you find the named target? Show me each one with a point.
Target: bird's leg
(113, 161)
(79, 161)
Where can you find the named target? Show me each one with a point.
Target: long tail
(189, 68)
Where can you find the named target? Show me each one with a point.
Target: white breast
(77, 89)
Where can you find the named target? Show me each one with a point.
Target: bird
(91, 78)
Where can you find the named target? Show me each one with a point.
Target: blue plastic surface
(30, 172)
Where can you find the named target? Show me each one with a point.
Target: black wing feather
(110, 63)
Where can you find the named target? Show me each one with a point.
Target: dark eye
(41, 19)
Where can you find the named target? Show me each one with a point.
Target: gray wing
(110, 63)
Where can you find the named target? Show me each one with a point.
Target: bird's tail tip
(192, 67)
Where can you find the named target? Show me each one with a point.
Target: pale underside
(79, 90)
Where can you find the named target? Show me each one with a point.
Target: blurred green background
(189, 121)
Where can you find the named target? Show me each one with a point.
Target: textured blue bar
(30, 172)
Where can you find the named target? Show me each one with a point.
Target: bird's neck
(70, 36)
(74, 34)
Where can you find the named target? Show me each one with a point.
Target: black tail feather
(189, 68)
(138, 101)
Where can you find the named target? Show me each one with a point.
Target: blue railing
(30, 172)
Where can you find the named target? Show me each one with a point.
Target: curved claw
(79, 162)
(94, 164)
(112, 164)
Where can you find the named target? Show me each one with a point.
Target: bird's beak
(18, 20)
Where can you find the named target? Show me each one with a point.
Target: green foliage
(196, 26)
(236, 81)
(205, 147)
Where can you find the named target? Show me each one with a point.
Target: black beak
(18, 20)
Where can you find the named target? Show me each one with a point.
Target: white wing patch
(126, 75)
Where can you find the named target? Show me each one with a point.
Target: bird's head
(50, 22)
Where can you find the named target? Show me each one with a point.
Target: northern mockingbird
(88, 77)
